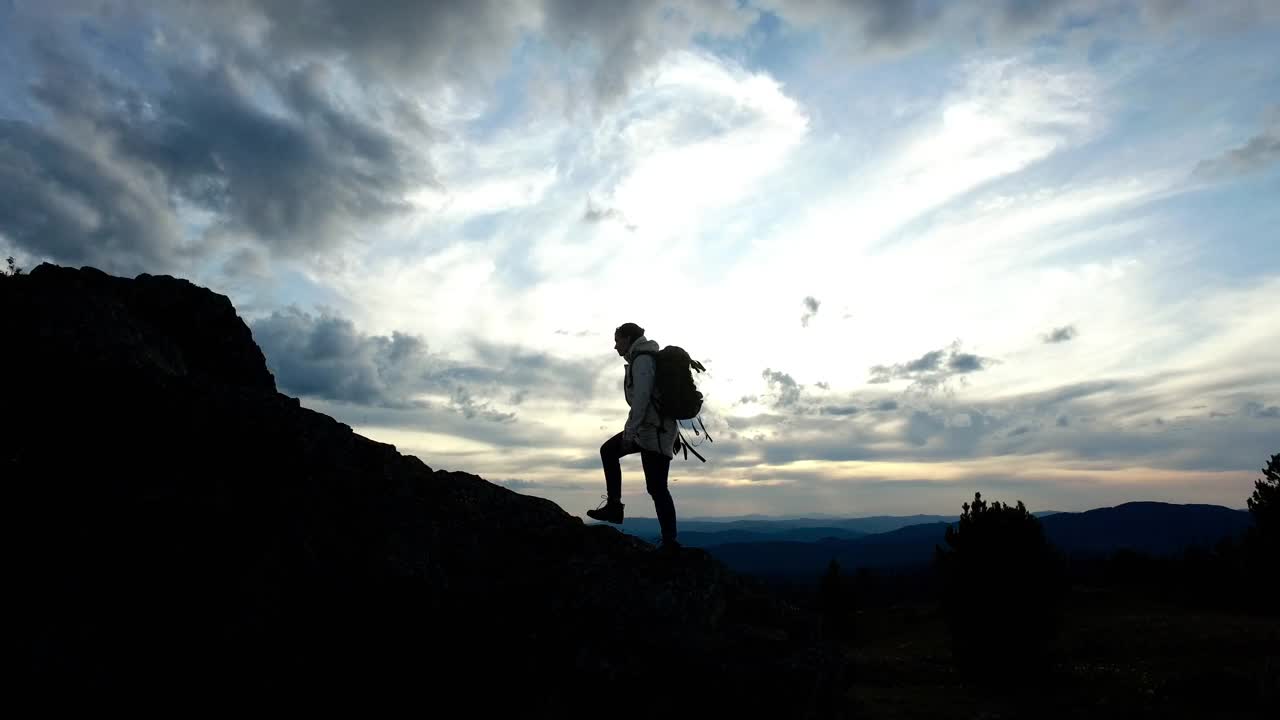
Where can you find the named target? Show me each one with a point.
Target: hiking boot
(610, 511)
(668, 547)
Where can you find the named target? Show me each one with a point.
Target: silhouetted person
(645, 432)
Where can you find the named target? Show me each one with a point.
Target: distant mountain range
(800, 548)
(705, 532)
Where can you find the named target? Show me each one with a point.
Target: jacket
(652, 432)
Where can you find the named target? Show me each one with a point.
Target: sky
(924, 249)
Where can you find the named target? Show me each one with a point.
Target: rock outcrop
(183, 527)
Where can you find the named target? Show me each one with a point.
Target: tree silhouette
(1002, 585)
(11, 267)
(1264, 503)
(1262, 542)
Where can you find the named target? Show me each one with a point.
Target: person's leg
(611, 453)
(656, 468)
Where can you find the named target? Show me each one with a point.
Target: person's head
(625, 335)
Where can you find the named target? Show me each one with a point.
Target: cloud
(839, 410)
(966, 363)
(535, 485)
(1261, 411)
(184, 132)
(922, 426)
(864, 26)
(1046, 400)
(252, 149)
(1233, 16)
(78, 205)
(885, 405)
(786, 389)
(878, 28)
(401, 40)
(465, 47)
(538, 373)
(811, 308)
(1255, 155)
(622, 40)
(326, 356)
(933, 369)
(471, 408)
(1062, 334)
(596, 214)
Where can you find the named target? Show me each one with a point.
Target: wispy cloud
(1257, 154)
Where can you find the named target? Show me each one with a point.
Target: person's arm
(642, 374)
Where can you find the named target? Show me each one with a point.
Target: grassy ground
(1119, 655)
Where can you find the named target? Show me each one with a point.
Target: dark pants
(656, 467)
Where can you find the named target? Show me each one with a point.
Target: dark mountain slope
(184, 528)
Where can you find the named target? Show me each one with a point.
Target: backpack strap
(688, 448)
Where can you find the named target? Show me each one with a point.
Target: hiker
(645, 432)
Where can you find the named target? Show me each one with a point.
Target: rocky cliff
(183, 527)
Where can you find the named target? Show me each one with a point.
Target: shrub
(1002, 591)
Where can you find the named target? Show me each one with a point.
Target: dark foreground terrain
(184, 530)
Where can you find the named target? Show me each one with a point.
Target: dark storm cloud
(866, 25)
(267, 152)
(400, 40)
(290, 125)
(875, 28)
(412, 43)
(77, 205)
(327, 357)
(1062, 334)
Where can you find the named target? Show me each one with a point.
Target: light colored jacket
(651, 431)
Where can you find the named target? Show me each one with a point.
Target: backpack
(679, 397)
